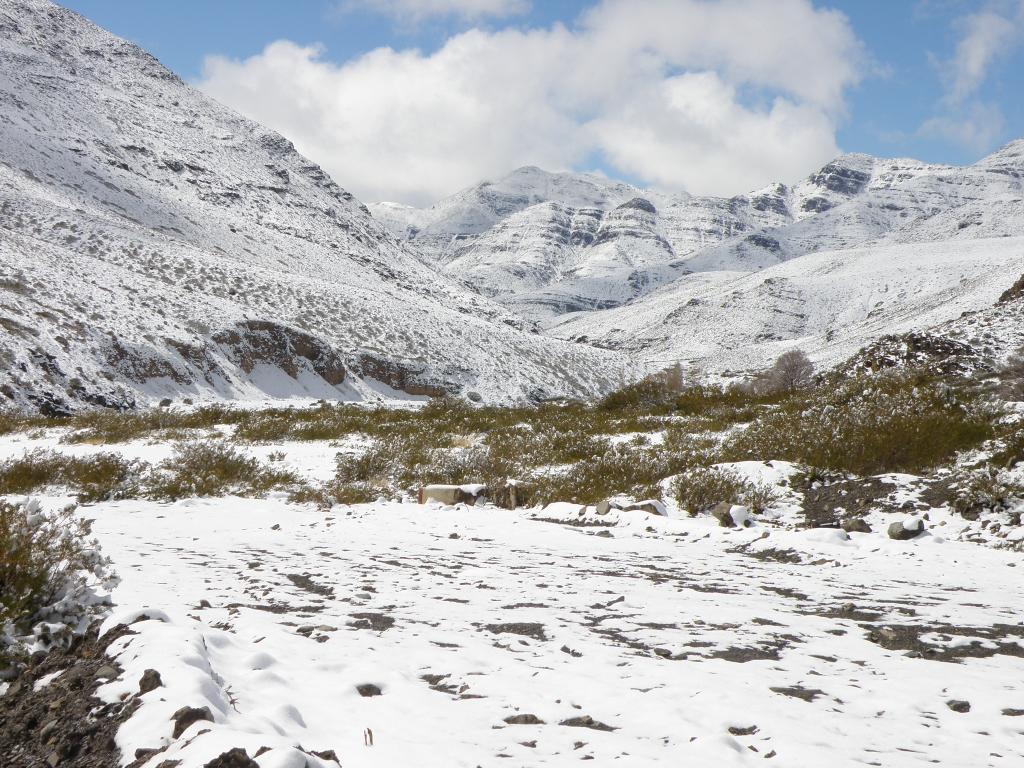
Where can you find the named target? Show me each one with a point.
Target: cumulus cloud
(712, 97)
(418, 10)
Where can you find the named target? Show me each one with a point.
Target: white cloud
(985, 37)
(417, 10)
(713, 97)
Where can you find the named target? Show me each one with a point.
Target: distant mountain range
(862, 248)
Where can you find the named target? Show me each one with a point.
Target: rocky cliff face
(155, 243)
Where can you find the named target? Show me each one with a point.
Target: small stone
(586, 721)
(205, 604)
(149, 681)
(46, 730)
(369, 689)
(106, 672)
(524, 719)
(749, 730)
(959, 705)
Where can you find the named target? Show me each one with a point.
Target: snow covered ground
(694, 645)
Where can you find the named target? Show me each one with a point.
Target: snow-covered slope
(829, 304)
(156, 243)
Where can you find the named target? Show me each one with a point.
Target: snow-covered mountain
(829, 304)
(155, 243)
(554, 257)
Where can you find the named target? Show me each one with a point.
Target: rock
(369, 689)
(233, 758)
(958, 705)
(749, 730)
(906, 529)
(149, 681)
(48, 729)
(186, 716)
(106, 672)
(606, 505)
(205, 604)
(721, 513)
(856, 525)
(650, 506)
(731, 515)
(166, 402)
(326, 754)
(586, 721)
(476, 397)
(450, 495)
(524, 719)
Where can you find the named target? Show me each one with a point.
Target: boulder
(449, 495)
(607, 505)
(149, 681)
(186, 716)
(650, 506)
(904, 530)
(721, 513)
(731, 515)
(958, 705)
(856, 525)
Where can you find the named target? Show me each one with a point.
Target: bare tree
(792, 371)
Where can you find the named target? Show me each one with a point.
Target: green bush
(889, 422)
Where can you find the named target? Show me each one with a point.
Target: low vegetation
(628, 443)
(46, 559)
(213, 469)
(699, 489)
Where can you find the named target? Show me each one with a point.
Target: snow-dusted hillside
(829, 304)
(154, 243)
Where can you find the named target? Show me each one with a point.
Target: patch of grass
(109, 427)
(888, 422)
(214, 469)
(101, 477)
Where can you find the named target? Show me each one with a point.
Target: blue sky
(903, 99)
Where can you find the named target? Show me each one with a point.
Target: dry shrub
(101, 477)
(47, 562)
(889, 422)
(699, 489)
(214, 469)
